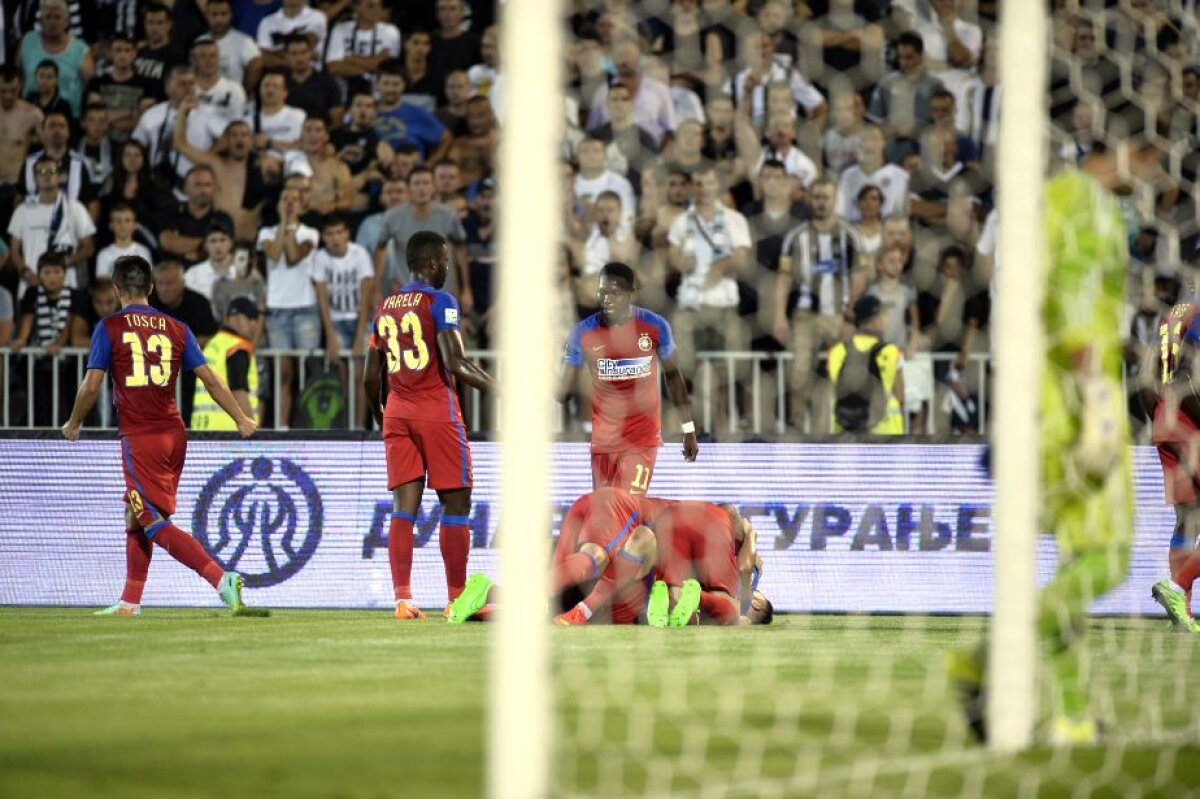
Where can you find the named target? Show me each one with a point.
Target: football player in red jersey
(1176, 433)
(416, 338)
(145, 350)
(622, 347)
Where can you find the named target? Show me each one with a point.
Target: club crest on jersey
(644, 342)
(611, 369)
(452, 316)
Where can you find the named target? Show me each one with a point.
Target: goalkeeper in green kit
(1087, 495)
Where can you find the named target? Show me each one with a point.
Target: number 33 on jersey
(405, 332)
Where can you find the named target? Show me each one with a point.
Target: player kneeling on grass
(708, 558)
(416, 334)
(603, 539)
(145, 350)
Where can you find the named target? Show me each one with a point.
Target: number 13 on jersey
(159, 373)
(416, 357)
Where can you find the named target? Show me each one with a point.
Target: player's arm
(224, 397)
(450, 346)
(568, 382)
(677, 390)
(372, 381)
(85, 400)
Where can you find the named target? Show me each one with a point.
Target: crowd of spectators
(763, 165)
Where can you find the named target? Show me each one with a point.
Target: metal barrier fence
(37, 388)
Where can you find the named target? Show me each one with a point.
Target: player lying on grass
(1175, 395)
(708, 561)
(145, 350)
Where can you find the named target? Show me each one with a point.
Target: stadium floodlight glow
(519, 698)
(1020, 171)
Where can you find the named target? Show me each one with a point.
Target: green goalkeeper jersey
(1086, 259)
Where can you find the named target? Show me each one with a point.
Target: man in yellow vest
(230, 353)
(868, 384)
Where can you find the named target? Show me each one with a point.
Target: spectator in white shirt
(952, 49)
(610, 239)
(218, 245)
(749, 86)
(294, 17)
(781, 146)
(358, 46)
(871, 169)
(653, 108)
(484, 74)
(156, 129)
(122, 221)
(277, 126)
(293, 321)
(344, 276)
(49, 221)
(595, 177)
(240, 59)
(222, 96)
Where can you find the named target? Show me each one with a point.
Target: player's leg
(1184, 559)
(454, 539)
(406, 480)
(138, 553)
(632, 561)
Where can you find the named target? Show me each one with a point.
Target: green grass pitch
(192, 703)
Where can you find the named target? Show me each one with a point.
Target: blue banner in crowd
(842, 527)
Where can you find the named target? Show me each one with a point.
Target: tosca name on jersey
(609, 369)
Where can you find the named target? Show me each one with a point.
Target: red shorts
(1180, 465)
(416, 448)
(629, 470)
(696, 538)
(152, 463)
(612, 517)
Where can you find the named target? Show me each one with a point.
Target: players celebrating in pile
(416, 334)
(145, 350)
(622, 346)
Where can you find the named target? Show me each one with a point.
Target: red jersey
(144, 349)
(420, 387)
(1178, 327)
(623, 363)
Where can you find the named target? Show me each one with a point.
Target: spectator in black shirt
(452, 48)
(315, 93)
(121, 89)
(157, 52)
(363, 150)
(45, 93)
(182, 229)
(172, 297)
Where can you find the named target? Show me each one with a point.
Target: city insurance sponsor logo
(261, 517)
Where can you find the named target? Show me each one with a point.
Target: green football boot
(658, 609)
(473, 597)
(120, 610)
(1175, 603)
(687, 605)
(230, 589)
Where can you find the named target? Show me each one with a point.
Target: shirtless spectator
(223, 97)
(360, 146)
(276, 126)
(240, 179)
(475, 152)
(19, 124)
(121, 89)
(332, 186)
(240, 60)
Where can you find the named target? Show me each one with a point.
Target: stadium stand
(762, 164)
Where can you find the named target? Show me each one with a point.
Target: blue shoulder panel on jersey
(666, 341)
(193, 356)
(445, 311)
(1192, 336)
(573, 356)
(100, 356)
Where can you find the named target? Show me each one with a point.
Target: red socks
(719, 608)
(455, 542)
(400, 553)
(1188, 571)
(187, 551)
(138, 551)
(573, 570)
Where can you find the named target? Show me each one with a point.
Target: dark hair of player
(768, 613)
(912, 41)
(51, 258)
(393, 66)
(615, 270)
(423, 247)
(132, 277)
(46, 63)
(335, 219)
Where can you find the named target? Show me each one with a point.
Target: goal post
(519, 696)
(1020, 172)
